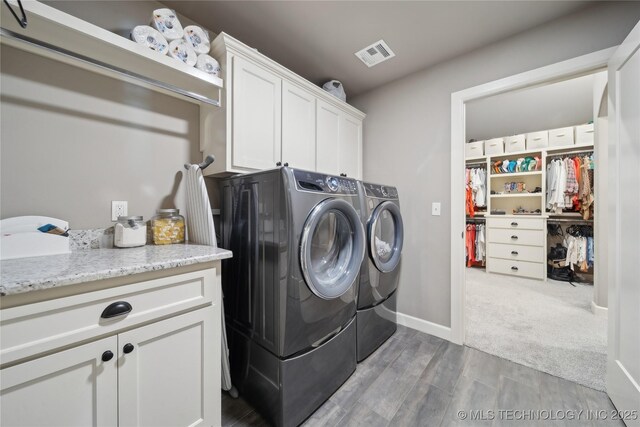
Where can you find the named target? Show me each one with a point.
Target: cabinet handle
(128, 348)
(107, 355)
(343, 175)
(514, 268)
(118, 308)
(514, 224)
(514, 237)
(514, 252)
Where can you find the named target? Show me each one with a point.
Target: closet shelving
(57, 35)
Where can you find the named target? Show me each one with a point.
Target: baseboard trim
(425, 326)
(599, 310)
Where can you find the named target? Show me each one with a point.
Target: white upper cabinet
(350, 148)
(256, 116)
(328, 139)
(270, 115)
(299, 134)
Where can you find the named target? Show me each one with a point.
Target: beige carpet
(548, 326)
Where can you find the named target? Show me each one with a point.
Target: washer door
(332, 248)
(385, 236)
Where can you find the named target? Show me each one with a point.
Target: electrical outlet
(435, 208)
(118, 208)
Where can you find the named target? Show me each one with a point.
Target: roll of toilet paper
(181, 50)
(166, 21)
(151, 38)
(197, 38)
(208, 65)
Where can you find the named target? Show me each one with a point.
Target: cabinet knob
(514, 224)
(286, 164)
(107, 355)
(278, 163)
(118, 308)
(343, 174)
(514, 252)
(128, 348)
(514, 268)
(514, 237)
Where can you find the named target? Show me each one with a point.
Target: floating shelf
(510, 174)
(516, 195)
(63, 37)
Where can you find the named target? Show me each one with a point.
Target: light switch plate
(435, 208)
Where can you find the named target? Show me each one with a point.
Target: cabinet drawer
(535, 270)
(515, 237)
(516, 252)
(35, 328)
(537, 140)
(494, 146)
(516, 223)
(474, 149)
(560, 137)
(584, 134)
(514, 143)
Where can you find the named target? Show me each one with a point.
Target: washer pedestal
(375, 325)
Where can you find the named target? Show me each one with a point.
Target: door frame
(575, 67)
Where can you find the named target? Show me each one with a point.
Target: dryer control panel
(380, 191)
(321, 183)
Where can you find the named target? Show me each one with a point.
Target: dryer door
(385, 236)
(332, 248)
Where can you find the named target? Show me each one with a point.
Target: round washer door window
(386, 236)
(332, 248)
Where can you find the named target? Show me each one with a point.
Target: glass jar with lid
(130, 232)
(167, 227)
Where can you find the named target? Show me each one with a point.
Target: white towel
(199, 218)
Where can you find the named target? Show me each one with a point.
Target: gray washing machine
(376, 315)
(290, 289)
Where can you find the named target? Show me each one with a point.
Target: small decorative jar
(129, 232)
(167, 227)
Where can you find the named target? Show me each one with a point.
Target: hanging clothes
(476, 190)
(570, 185)
(475, 245)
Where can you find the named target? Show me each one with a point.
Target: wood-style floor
(416, 379)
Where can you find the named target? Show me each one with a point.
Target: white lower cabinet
(159, 373)
(70, 388)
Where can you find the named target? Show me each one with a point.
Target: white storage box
(474, 149)
(494, 146)
(584, 134)
(561, 137)
(514, 143)
(537, 140)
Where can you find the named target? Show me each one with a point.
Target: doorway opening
(531, 288)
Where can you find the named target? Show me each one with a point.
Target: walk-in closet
(531, 203)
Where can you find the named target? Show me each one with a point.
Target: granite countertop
(36, 273)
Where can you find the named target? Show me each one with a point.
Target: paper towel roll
(208, 65)
(181, 50)
(166, 21)
(151, 38)
(197, 38)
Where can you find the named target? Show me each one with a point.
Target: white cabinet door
(256, 116)
(328, 138)
(623, 370)
(69, 388)
(350, 152)
(298, 127)
(163, 379)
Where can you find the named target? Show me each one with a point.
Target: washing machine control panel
(321, 183)
(380, 191)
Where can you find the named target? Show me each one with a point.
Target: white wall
(72, 141)
(407, 137)
(560, 104)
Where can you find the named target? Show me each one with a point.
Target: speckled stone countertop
(36, 273)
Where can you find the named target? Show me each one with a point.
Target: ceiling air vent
(375, 54)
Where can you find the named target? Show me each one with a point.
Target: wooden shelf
(515, 195)
(63, 37)
(510, 174)
(559, 150)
